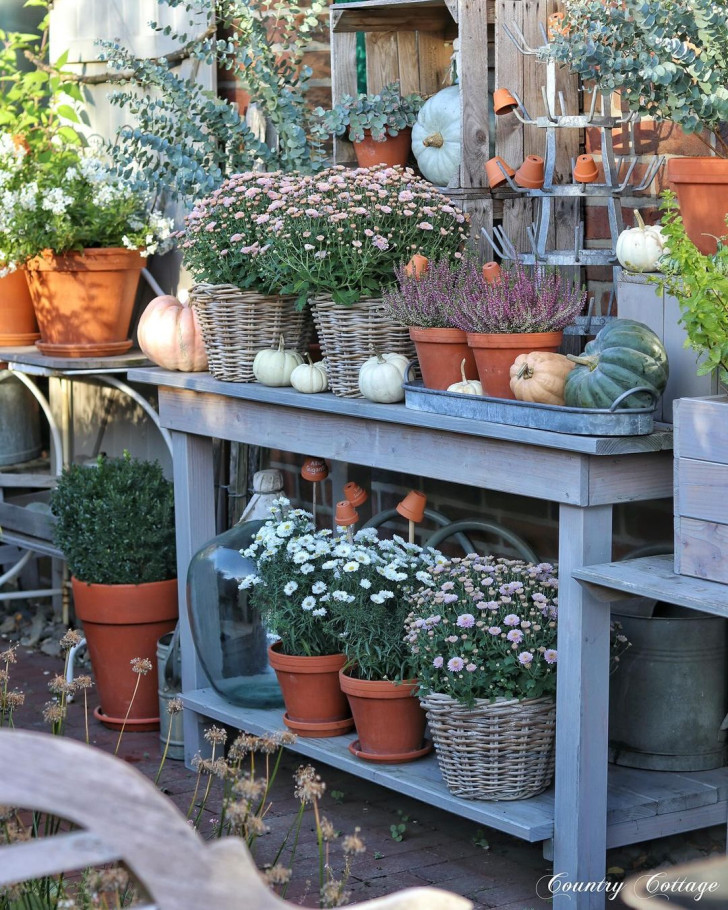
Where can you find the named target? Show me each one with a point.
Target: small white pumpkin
(436, 136)
(381, 378)
(467, 386)
(310, 377)
(273, 366)
(640, 248)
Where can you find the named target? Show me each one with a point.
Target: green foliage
(668, 58)
(115, 521)
(383, 114)
(700, 284)
(397, 832)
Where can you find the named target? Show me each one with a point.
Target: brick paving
(492, 869)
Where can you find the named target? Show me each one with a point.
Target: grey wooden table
(586, 476)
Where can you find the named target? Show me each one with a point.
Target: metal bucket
(669, 695)
(168, 672)
(19, 421)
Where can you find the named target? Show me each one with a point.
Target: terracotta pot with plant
(379, 124)
(519, 310)
(115, 526)
(621, 47)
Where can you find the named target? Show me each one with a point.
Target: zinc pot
(315, 704)
(17, 317)
(701, 185)
(120, 623)
(495, 354)
(440, 353)
(20, 438)
(390, 722)
(392, 151)
(84, 301)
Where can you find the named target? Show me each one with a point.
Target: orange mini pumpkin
(169, 334)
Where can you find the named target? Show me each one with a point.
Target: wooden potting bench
(591, 807)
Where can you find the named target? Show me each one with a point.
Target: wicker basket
(350, 334)
(237, 324)
(501, 750)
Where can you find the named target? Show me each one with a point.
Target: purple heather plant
(426, 301)
(534, 299)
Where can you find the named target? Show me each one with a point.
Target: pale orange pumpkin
(169, 334)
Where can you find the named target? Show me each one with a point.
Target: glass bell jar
(229, 635)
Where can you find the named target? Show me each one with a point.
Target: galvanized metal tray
(576, 421)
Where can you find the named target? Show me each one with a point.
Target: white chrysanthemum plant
(323, 593)
(67, 199)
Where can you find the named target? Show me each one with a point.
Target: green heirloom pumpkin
(624, 355)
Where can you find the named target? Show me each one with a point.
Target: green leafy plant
(383, 114)
(667, 58)
(115, 521)
(397, 832)
(700, 284)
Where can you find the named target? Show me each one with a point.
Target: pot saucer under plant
(319, 729)
(132, 725)
(390, 758)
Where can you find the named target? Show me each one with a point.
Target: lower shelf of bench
(641, 805)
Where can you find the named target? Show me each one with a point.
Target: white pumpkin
(640, 248)
(381, 378)
(310, 377)
(436, 141)
(273, 366)
(467, 386)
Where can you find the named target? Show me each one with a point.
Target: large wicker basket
(237, 324)
(500, 750)
(349, 335)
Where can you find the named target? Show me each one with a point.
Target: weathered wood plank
(670, 792)
(613, 479)
(433, 61)
(703, 487)
(45, 481)
(382, 63)
(407, 62)
(343, 82)
(701, 549)
(637, 830)
(701, 428)
(474, 97)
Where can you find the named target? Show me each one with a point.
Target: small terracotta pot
(392, 151)
(503, 101)
(412, 506)
(440, 353)
(389, 719)
(17, 317)
(491, 272)
(355, 494)
(701, 185)
(493, 171)
(346, 514)
(585, 169)
(315, 704)
(417, 266)
(531, 173)
(314, 469)
(496, 353)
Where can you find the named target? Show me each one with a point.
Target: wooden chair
(122, 816)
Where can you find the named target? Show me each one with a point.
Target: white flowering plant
(486, 629)
(63, 199)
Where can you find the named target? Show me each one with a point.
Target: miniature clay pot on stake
(355, 494)
(531, 173)
(585, 169)
(412, 508)
(494, 168)
(491, 272)
(346, 517)
(417, 266)
(503, 101)
(315, 470)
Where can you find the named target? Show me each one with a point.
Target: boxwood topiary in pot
(115, 526)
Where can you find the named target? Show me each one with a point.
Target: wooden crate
(701, 487)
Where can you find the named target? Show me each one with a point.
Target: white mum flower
(352, 566)
(308, 603)
(290, 587)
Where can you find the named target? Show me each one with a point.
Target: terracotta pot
(121, 622)
(84, 301)
(315, 470)
(392, 151)
(530, 174)
(495, 354)
(493, 172)
(417, 266)
(701, 185)
(346, 514)
(503, 101)
(315, 704)
(390, 722)
(491, 272)
(17, 318)
(440, 353)
(355, 494)
(585, 169)
(412, 507)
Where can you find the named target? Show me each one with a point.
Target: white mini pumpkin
(310, 377)
(381, 378)
(273, 366)
(640, 248)
(467, 386)
(436, 141)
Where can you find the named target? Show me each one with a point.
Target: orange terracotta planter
(84, 301)
(121, 622)
(17, 318)
(440, 353)
(390, 722)
(315, 704)
(496, 353)
(392, 151)
(701, 185)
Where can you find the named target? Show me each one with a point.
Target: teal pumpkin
(624, 355)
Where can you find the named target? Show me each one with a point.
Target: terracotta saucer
(133, 725)
(395, 758)
(103, 349)
(318, 730)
